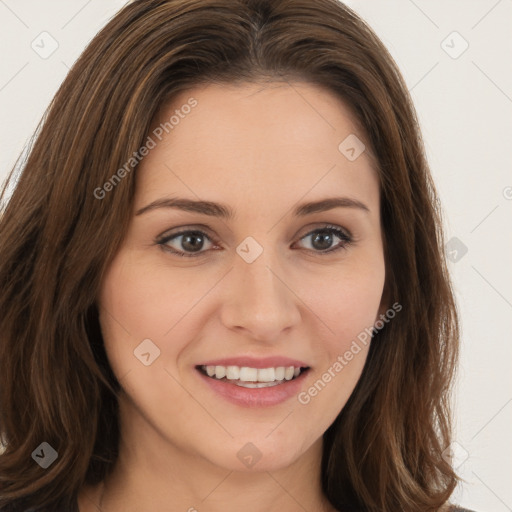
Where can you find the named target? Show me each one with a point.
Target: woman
(222, 278)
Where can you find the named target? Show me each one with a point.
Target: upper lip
(253, 362)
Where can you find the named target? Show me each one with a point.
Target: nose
(258, 299)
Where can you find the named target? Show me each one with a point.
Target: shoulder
(458, 509)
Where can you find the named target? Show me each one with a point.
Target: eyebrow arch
(219, 210)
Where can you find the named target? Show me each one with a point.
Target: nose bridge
(258, 299)
(257, 279)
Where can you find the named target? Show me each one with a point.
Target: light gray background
(465, 110)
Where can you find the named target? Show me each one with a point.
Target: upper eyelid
(165, 237)
(202, 228)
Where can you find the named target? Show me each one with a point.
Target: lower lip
(255, 397)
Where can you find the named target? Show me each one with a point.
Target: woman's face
(276, 284)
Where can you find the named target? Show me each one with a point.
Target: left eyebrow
(329, 204)
(219, 210)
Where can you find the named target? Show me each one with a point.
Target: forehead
(282, 137)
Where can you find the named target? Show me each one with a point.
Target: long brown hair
(384, 450)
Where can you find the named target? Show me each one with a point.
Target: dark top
(75, 508)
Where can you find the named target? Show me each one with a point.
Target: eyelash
(345, 237)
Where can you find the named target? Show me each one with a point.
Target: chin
(260, 454)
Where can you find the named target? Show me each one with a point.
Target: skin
(260, 149)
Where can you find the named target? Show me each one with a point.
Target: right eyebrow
(221, 210)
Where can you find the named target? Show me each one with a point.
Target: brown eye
(323, 239)
(190, 244)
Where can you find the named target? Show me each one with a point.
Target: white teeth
(255, 377)
(220, 372)
(232, 372)
(288, 374)
(248, 374)
(257, 384)
(280, 373)
(267, 375)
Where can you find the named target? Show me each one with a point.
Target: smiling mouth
(248, 377)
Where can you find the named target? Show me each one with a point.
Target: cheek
(140, 301)
(347, 301)
(348, 304)
(145, 299)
